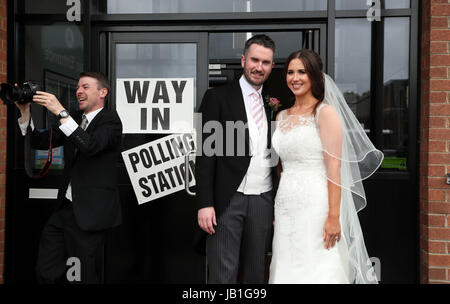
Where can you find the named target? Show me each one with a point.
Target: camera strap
(27, 155)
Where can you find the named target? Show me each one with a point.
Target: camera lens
(10, 93)
(22, 94)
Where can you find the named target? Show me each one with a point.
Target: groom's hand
(206, 219)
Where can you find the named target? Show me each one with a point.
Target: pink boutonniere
(273, 103)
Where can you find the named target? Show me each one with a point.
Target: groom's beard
(255, 82)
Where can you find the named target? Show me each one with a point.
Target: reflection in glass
(225, 46)
(46, 7)
(352, 65)
(209, 6)
(396, 91)
(160, 60)
(56, 48)
(54, 59)
(362, 4)
(397, 4)
(351, 4)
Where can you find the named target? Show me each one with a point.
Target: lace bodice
(297, 142)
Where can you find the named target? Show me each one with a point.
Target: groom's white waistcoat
(258, 179)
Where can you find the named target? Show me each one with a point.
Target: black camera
(22, 93)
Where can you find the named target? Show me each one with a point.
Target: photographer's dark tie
(83, 126)
(84, 122)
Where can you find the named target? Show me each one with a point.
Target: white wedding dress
(301, 208)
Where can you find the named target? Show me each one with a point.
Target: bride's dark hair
(313, 65)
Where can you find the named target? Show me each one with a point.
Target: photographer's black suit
(217, 181)
(77, 228)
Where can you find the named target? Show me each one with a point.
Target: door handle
(186, 173)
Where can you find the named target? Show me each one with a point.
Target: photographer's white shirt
(67, 128)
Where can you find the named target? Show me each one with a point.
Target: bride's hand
(331, 232)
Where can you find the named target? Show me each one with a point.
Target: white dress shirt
(258, 179)
(67, 128)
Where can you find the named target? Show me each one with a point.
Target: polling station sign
(155, 105)
(157, 168)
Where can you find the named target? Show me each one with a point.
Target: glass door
(156, 78)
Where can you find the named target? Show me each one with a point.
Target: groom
(234, 189)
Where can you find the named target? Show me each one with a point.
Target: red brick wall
(435, 143)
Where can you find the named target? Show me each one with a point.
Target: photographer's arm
(24, 112)
(50, 102)
(39, 140)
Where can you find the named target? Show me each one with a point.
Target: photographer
(89, 195)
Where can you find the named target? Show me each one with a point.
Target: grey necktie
(83, 125)
(84, 122)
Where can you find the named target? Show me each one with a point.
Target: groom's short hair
(262, 40)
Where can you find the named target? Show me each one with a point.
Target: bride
(325, 154)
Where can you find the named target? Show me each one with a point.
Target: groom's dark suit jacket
(90, 159)
(219, 177)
